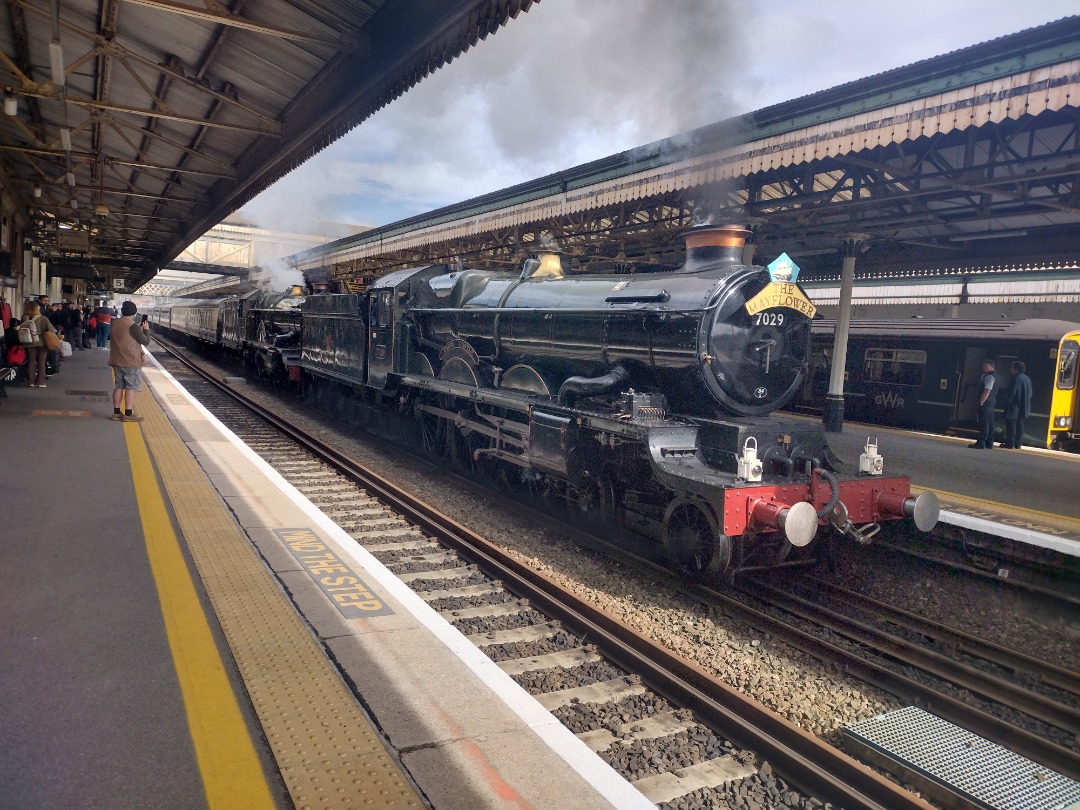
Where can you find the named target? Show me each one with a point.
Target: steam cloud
(571, 81)
(557, 87)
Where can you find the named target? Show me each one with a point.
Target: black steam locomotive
(639, 402)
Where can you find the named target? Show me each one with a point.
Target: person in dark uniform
(987, 403)
(1017, 406)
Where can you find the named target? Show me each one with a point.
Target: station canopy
(133, 126)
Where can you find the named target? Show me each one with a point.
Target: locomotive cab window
(1066, 376)
(894, 366)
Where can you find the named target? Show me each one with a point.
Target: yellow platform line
(231, 773)
(1033, 516)
(325, 747)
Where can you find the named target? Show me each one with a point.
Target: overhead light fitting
(65, 138)
(37, 190)
(101, 209)
(11, 104)
(56, 63)
(71, 179)
(74, 205)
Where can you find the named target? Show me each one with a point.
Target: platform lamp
(11, 104)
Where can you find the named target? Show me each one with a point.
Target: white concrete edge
(1018, 533)
(590, 766)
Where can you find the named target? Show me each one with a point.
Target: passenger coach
(924, 375)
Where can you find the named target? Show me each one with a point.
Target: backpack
(28, 332)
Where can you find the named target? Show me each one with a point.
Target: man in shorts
(127, 359)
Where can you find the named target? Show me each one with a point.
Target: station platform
(161, 645)
(1027, 495)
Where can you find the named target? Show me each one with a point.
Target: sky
(573, 81)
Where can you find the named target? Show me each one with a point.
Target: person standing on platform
(127, 359)
(35, 348)
(71, 320)
(987, 403)
(103, 315)
(1017, 406)
(89, 326)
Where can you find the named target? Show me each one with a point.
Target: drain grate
(955, 767)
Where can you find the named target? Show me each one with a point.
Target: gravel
(809, 694)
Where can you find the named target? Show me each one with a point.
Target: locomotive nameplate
(349, 594)
(784, 294)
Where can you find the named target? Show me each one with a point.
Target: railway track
(922, 667)
(985, 566)
(671, 729)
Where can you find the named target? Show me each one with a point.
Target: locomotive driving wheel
(695, 548)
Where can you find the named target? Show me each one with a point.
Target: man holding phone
(126, 358)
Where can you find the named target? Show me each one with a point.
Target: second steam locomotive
(640, 402)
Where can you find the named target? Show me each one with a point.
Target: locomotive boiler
(686, 334)
(641, 402)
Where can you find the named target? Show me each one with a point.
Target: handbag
(51, 340)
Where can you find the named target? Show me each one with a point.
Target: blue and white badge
(782, 268)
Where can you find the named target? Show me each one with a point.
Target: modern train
(925, 374)
(639, 402)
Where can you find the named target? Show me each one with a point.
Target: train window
(894, 366)
(1066, 377)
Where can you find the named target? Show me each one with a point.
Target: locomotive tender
(639, 401)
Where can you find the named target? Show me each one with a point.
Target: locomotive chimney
(714, 246)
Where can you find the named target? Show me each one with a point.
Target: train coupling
(840, 520)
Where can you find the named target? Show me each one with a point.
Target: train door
(967, 387)
(381, 334)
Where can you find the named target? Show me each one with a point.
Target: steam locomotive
(639, 402)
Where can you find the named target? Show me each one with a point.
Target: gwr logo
(890, 399)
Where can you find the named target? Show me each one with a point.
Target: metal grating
(327, 750)
(977, 772)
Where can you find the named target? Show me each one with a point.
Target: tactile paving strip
(325, 747)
